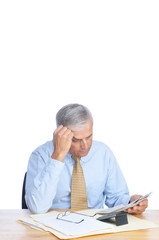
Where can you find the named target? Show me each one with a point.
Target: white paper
(111, 210)
(87, 225)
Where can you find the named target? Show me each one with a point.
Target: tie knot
(77, 159)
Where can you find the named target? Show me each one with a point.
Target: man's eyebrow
(78, 139)
(74, 138)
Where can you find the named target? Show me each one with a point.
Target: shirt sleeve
(116, 188)
(42, 179)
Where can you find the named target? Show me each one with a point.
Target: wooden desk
(11, 229)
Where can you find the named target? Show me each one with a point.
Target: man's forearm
(41, 190)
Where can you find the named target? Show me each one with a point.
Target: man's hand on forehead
(62, 139)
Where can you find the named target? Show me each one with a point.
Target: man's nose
(83, 143)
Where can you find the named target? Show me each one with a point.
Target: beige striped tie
(78, 188)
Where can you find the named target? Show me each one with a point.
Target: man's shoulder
(101, 145)
(46, 147)
(102, 150)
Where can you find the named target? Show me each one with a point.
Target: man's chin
(83, 153)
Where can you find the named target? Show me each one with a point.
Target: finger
(70, 135)
(136, 209)
(58, 129)
(65, 131)
(144, 203)
(132, 211)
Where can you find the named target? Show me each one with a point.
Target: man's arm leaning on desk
(42, 181)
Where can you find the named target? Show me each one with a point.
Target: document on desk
(122, 207)
(134, 223)
(74, 224)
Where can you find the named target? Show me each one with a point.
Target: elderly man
(74, 171)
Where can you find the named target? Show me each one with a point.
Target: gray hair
(73, 116)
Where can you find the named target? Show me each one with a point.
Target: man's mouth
(83, 151)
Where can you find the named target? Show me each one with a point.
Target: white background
(103, 54)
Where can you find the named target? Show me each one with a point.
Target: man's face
(82, 141)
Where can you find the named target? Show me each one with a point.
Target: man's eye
(75, 140)
(89, 136)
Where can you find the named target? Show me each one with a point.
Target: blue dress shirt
(48, 183)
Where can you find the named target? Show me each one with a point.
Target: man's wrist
(58, 156)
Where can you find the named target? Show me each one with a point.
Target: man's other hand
(138, 209)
